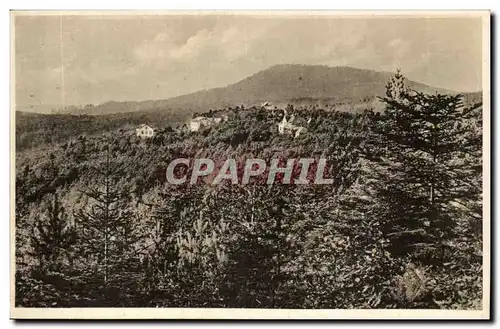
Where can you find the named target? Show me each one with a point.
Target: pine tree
(163, 220)
(421, 166)
(107, 229)
(259, 249)
(52, 236)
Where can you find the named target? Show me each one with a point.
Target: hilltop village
(289, 121)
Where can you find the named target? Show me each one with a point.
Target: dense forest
(97, 225)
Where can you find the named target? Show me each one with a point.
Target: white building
(287, 126)
(267, 106)
(197, 123)
(144, 131)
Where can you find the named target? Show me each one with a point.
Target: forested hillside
(401, 226)
(37, 130)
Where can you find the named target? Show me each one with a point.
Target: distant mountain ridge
(286, 83)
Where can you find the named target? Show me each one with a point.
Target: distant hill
(340, 87)
(298, 83)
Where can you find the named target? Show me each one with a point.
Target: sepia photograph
(250, 165)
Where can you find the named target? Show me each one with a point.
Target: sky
(78, 60)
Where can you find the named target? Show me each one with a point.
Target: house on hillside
(267, 106)
(292, 126)
(199, 122)
(144, 131)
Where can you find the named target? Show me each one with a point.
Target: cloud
(399, 47)
(158, 48)
(222, 43)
